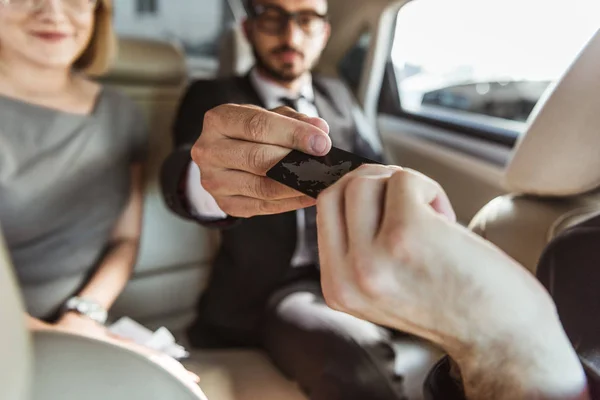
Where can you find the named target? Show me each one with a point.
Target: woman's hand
(81, 325)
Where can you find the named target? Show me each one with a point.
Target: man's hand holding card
(244, 152)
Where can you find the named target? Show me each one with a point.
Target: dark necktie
(310, 213)
(291, 103)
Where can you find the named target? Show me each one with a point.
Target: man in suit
(265, 289)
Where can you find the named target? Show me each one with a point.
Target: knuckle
(264, 207)
(357, 186)
(373, 169)
(298, 137)
(264, 189)
(365, 168)
(196, 153)
(211, 117)
(257, 158)
(210, 183)
(256, 126)
(401, 177)
(200, 152)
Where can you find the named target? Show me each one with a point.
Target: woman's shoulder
(117, 99)
(118, 107)
(126, 121)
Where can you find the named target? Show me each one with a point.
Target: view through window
(196, 25)
(486, 61)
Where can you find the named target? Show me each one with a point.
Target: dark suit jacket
(570, 270)
(255, 255)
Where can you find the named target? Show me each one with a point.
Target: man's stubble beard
(276, 75)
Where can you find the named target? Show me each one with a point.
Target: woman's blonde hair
(97, 58)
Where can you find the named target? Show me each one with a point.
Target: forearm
(111, 277)
(540, 366)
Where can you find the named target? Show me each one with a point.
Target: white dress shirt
(270, 93)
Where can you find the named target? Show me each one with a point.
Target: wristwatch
(88, 308)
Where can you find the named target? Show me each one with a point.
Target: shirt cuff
(201, 203)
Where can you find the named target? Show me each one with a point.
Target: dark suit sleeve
(200, 97)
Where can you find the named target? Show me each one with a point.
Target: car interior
(516, 183)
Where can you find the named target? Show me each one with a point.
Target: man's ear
(247, 27)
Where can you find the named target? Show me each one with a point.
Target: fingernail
(318, 144)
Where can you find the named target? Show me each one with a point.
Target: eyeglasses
(76, 6)
(274, 20)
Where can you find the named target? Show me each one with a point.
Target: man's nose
(293, 34)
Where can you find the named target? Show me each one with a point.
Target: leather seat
(15, 347)
(235, 53)
(554, 175)
(175, 255)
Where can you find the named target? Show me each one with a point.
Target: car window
(485, 62)
(196, 26)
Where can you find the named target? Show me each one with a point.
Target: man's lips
(289, 56)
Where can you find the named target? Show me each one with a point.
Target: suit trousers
(331, 355)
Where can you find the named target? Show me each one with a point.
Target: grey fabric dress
(64, 181)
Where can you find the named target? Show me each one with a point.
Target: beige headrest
(235, 53)
(560, 154)
(146, 61)
(14, 339)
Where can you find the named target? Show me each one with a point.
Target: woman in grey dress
(71, 157)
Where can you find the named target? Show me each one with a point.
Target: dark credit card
(310, 174)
